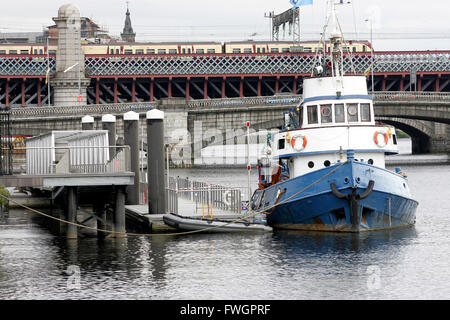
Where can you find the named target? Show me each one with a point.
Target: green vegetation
(5, 193)
(401, 134)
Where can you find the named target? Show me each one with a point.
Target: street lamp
(371, 47)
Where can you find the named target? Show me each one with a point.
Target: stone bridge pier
(426, 136)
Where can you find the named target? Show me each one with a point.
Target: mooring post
(119, 212)
(109, 124)
(155, 162)
(72, 230)
(131, 136)
(87, 123)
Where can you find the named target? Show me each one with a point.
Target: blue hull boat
(326, 169)
(347, 197)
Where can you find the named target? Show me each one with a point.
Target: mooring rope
(131, 234)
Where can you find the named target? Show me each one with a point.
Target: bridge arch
(421, 132)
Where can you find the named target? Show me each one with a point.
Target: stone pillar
(87, 123)
(155, 162)
(439, 140)
(72, 230)
(131, 137)
(119, 213)
(448, 138)
(69, 83)
(109, 124)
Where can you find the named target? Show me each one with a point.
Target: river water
(408, 263)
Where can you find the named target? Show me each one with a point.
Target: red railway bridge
(142, 78)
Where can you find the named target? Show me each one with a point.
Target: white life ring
(299, 142)
(383, 141)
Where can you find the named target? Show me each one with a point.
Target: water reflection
(403, 263)
(304, 242)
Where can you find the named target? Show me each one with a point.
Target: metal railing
(77, 160)
(411, 96)
(220, 64)
(205, 196)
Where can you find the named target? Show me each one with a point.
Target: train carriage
(247, 47)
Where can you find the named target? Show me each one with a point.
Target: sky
(396, 24)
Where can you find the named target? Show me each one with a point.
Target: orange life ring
(295, 145)
(378, 142)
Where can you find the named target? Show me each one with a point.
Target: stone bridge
(425, 116)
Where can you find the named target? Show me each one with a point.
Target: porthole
(327, 163)
(370, 161)
(311, 164)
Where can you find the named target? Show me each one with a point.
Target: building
(90, 32)
(128, 35)
(21, 37)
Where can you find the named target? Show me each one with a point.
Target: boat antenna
(319, 67)
(336, 37)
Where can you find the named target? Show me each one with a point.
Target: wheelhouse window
(365, 112)
(312, 115)
(352, 111)
(326, 113)
(339, 113)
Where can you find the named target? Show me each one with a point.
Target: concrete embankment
(27, 200)
(426, 159)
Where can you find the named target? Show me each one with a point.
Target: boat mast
(336, 39)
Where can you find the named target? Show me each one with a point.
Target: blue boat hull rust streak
(387, 205)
